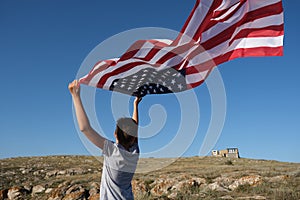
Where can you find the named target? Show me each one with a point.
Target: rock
(28, 187)
(227, 197)
(38, 189)
(93, 191)
(161, 186)
(94, 197)
(74, 171)
(74, 189)
(51, 173)
(58, 193)
(95, 185)
(3, 194)
(277, 178)
(251, 180)
(75, 196)
(252, 198)
(138, 188)
(48, 190)
(15, 193)
(216, 187)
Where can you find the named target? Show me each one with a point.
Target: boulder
(38, 189)
(250, 180)
(15, 193)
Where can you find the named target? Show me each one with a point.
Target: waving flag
(216, 31)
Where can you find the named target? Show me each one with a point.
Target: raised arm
(135, 115)
(82, 119)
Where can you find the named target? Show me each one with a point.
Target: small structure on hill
(228, 153)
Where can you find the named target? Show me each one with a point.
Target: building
(228, 153)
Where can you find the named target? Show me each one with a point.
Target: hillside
(78, 177)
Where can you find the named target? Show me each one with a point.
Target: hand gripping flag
(216, 31)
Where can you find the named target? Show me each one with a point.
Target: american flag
(216, 31)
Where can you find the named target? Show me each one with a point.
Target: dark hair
(126, 131)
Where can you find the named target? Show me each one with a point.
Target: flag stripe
(216, 31)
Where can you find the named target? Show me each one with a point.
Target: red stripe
(270, 31)
(176, 51)
(133, 49)
(251, 16)
(249, 52)
(207, 22)
(232, 13)
(261, 32)
(237, 53)
(119, 70)
(175, 42)
(109, 63)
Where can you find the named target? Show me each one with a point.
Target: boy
(121, 157)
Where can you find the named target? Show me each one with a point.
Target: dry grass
(208, 168)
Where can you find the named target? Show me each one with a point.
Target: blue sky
(42, 46)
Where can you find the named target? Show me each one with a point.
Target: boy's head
(126, 132)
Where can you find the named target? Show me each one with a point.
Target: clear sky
(43, 44)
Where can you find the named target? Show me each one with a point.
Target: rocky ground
(78, 177)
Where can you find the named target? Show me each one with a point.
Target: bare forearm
(84, 124)
(135, 115)
(81, 116)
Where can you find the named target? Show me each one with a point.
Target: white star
(157, 85)
(164, 83)
(115, 83)
(150, 79)
(180, 86)
(145, 70)
(154, 90)
(170, 88)
(161, 89)
(129, 88)
(173, 81)
(122, 86)
(135, 76)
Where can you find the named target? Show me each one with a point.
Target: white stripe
(197, 77)
(196, 20)
(240, 43)
(144, 50)
(98, 65)
(228, 11)
(256, 42)
(259, 23)
(220, 27)
(255, 4)
(166, 41)
(273, 20)
(148, 46)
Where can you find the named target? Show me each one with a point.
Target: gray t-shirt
(118, 170)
